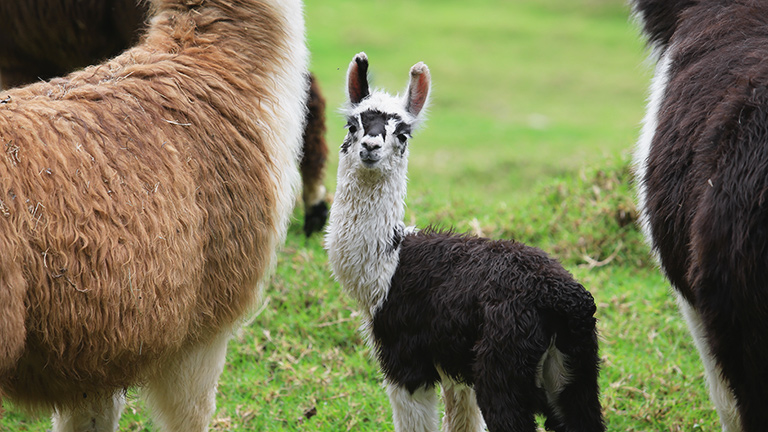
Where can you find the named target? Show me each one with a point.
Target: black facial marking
(352, 124)
(374, 122)
(403, 132)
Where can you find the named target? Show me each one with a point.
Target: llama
(43, 39)
(701, 168)
(141, 204)
(503, 328)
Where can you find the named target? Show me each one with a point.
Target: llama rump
(141, 204)
(502, 327)
(43, 39)
(702, 174)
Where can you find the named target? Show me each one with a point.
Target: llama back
(472, 274)
(147, 193)
(493, 270)
(708, 158)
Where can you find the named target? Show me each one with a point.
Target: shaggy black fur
(41, 39)
(660, 18)
(315, 218)
(485, 312)
(707, 185)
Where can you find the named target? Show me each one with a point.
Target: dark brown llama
(702, 175)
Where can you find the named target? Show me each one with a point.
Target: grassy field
(536, 105)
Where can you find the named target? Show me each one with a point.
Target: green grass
(536, 105)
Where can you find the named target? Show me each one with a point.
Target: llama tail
(576, 406)
(729, 254)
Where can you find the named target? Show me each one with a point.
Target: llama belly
(412, 342)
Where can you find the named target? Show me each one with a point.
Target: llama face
(379, 125)
(376, 139)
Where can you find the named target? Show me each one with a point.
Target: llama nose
(368, 153)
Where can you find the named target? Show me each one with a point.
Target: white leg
(182, 396)
(415, 412)
(461, 411)
(719, 392)
(98, 416)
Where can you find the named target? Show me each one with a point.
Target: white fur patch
(288, 109)
(182, 396)
(461, 410)
(552, 375)
(100, 415)
(415, 412)
(643, 149)
(719, 391)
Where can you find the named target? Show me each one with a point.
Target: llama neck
(365, 227)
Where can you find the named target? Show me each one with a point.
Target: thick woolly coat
(142, 200)
(702, 174)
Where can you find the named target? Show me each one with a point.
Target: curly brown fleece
(141, 200)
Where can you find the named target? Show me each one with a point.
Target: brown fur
(35, 47)
(138, 201)
(46, 38)
(315, 149)
(313, 161)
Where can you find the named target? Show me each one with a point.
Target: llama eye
(402, 138)
(352, 128)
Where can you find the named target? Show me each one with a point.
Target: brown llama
(43, 39)
(141, 204)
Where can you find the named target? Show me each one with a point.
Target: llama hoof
(315, 217)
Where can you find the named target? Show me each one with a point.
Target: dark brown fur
(485, 311)
(137, 202)
(43, 39)
(707, 183)
(313, 161)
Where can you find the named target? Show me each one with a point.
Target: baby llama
(503, 328)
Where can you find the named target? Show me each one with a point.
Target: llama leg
(719, 391)
(461, 411)
(100, 415)
(182, 395)
(505, 372)
(313, 161)
(570, 382)
(413, 412)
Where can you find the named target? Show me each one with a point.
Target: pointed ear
(418, 89)
(357, 79)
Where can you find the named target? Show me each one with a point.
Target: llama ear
(357, 79)
(418, 89)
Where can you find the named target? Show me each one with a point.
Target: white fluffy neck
(364, 216)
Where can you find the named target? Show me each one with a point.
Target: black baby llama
(501, 326)
(702, 172)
